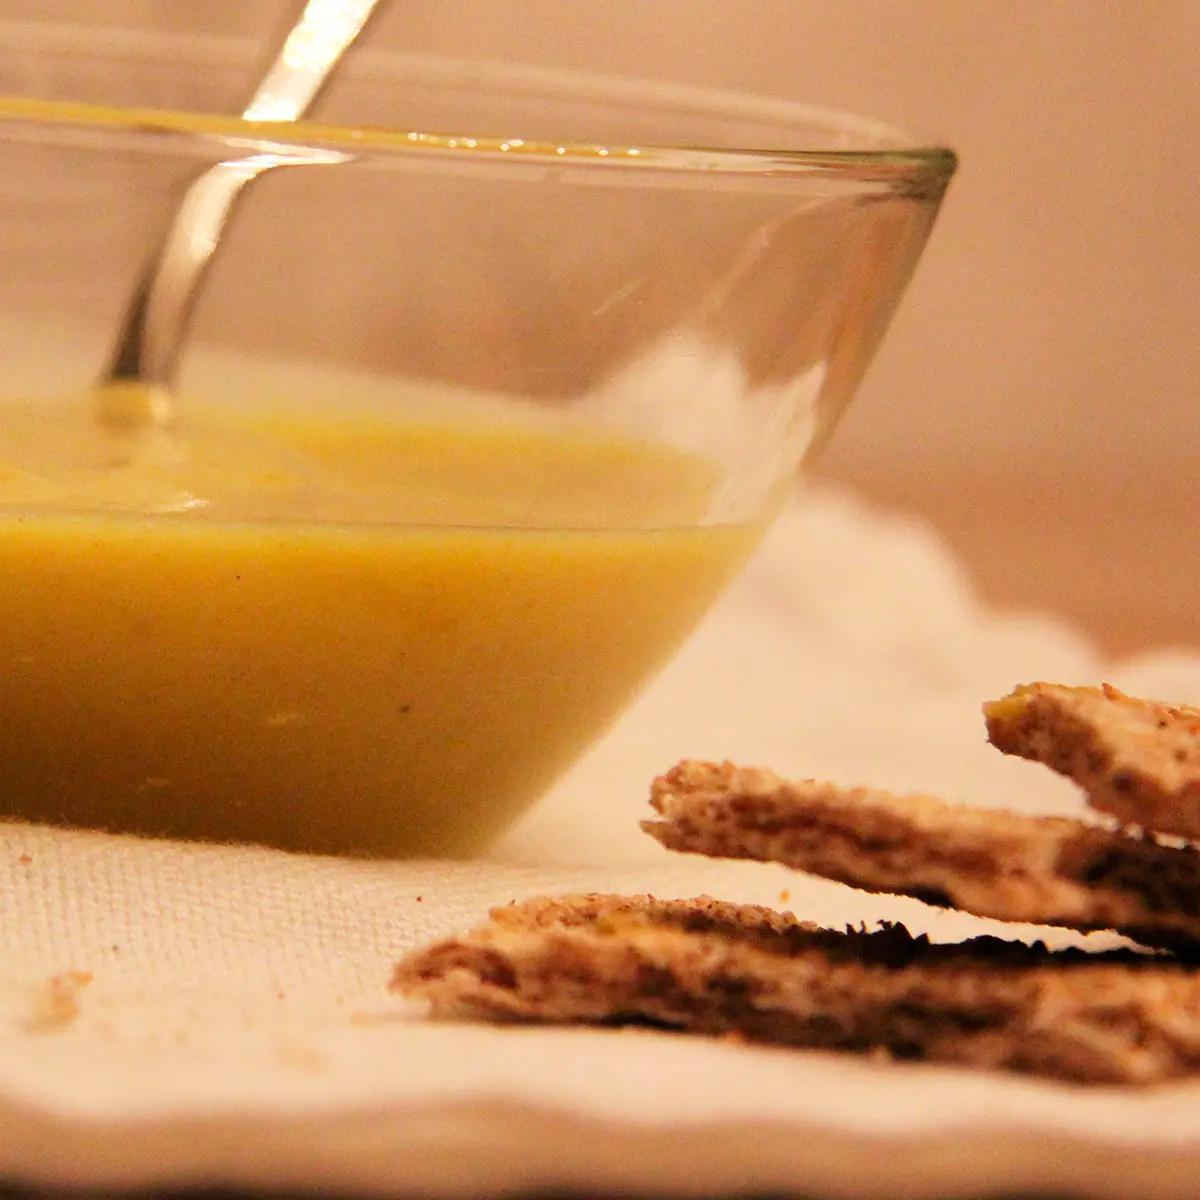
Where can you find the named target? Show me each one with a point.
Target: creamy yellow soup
(331, 634)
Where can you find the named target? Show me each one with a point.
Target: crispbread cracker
(715, 968)
(1136, 759)
(1047, 870)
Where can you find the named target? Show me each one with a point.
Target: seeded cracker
(1046, 870)
(1136, 759)
(709, 967)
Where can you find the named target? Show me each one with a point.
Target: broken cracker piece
(722, 969)
(1046, 870)
(1136, 759)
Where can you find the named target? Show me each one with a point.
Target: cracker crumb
(58, 1005)
(784, 896)
(303, 1057)
(25, 860)
(363, 1020)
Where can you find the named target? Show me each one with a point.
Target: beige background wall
(1038, 395)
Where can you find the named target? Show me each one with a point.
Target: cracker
(1136, 759)
(708, 967)
(1047, 870)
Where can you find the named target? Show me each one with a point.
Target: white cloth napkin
(189, 1015)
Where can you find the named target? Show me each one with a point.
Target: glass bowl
(476, 417)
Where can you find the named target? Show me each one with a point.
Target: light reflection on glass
(325, 28)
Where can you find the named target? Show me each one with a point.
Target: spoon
(136, 391)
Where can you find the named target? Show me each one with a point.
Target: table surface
(1115, 554)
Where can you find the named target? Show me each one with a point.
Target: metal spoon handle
(313, 48)
(148, 347)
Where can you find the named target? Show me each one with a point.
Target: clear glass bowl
(477, 415)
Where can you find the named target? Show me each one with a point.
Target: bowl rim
(873, 151)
